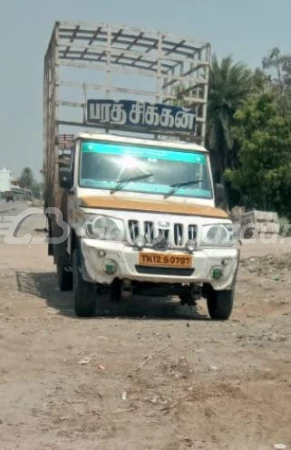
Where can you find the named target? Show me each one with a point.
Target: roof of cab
(139, 141)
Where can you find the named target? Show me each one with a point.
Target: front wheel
(84, 292)
(220, 304)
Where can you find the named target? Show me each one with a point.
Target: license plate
(165, 260)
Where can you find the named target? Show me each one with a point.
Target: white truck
(134, 188)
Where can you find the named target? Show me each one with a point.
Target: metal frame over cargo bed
(170, 70)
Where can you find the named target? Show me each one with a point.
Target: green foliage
(229, 85)
(249, 130)
(278, 68)
(28, 181)
(37, 190)
(264, 137)
(261, 82)
(179, 92)
(26, 178)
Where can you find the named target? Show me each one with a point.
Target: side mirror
(65, 178)
(220, 197)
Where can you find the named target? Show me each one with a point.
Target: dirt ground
(149, 375)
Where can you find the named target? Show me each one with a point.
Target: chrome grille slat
(171, 237)
(133, 227)
(177, 234)
(155, 230)
(192, 232)
(149, 231)
(141, 228)
(164, 233)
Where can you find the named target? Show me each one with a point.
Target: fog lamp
(110, 266)
(217, 273)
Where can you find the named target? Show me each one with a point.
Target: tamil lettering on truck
(135, 185)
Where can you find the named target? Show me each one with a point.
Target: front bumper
(126, 257)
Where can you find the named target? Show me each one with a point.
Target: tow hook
(126, 289)
(121, 290)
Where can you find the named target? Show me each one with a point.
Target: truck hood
(156, 206)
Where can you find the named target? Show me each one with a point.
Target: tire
(84, 292)
(65, 278)
(220, 304)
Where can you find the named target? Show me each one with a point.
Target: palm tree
(26, 178)
(229, 85)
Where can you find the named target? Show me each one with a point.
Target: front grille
(176, 235)
(164, 271)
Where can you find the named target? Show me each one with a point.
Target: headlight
(105, 228)
(218, 235)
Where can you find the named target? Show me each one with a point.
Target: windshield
(144, 169)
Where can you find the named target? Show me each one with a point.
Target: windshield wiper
(122, 183)
(177, 186)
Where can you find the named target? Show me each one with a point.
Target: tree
(278, 68)
(26, 180)
(229, 85)
(261, 81)
(179, 93)
(37, 189)
(264, 136)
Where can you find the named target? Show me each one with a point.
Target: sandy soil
(148, 375)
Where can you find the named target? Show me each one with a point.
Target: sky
(246, 30)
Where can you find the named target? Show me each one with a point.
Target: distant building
(9, 183)
(5, 180)
(15, 181)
